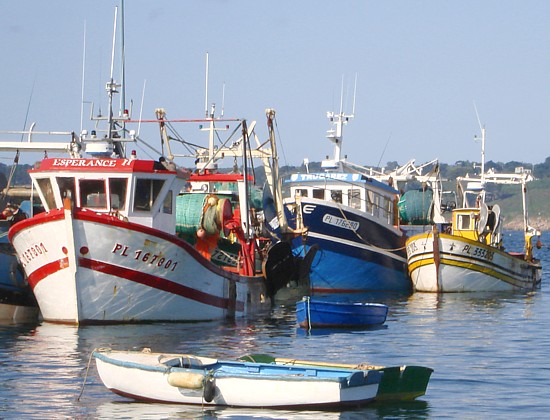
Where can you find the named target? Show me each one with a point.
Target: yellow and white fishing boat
(468, 255)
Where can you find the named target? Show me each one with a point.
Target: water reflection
(403, 410)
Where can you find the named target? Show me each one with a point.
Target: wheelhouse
(138, 190)
(357, 191)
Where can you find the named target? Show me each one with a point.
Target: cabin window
(376, 207)
(463, 221)
(319, 193)
(92, 193)
(167, 203)
(45, 185)
(370, 202)
(117, 190)
(66, 188)
(336, 196)
(147, 191)
(302, 192)
(390, 207)
(354, 198)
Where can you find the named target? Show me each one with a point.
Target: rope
(87, 370)
(308, 315)
(363, 239)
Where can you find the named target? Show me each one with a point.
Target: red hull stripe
(158, 283)
(46, 270)
(106, 219)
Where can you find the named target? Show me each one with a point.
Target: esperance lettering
(87, 163)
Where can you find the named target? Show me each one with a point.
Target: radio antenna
(206, 88)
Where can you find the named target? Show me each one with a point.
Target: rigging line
(363, 239)
(249, 150)
(384, 150)
(28, 108)
(229, 138)
(280, 141)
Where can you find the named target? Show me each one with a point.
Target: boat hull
(86, 267)
(372, 253)
(399, 383)
(17, 302)
(462, 265)
(201, 381)
(326, 314)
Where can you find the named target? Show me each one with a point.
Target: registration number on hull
(329, 219)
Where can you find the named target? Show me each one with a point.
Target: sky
(422, 67)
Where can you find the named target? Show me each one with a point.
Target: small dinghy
(335, 314)
(188, 379)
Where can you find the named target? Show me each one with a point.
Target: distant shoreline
(540, 223)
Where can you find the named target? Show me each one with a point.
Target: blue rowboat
(334, 314)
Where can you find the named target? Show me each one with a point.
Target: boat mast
(111, 86)
(272, 172)
(122, 108)
(335, 134)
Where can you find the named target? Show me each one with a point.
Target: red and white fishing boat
(106, 248)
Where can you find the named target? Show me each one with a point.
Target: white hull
(89, 268)
(143, 376)
(463, 265)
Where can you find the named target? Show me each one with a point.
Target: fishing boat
(470, 255)
(189, 379)
(17, 302)
(350, 220)
(209, 212)
(313, 312)
(399, 383)
(106, 249)
(357, 217)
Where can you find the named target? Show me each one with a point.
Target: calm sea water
(490, 353)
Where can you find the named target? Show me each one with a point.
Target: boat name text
(94, 163)
(145, 257)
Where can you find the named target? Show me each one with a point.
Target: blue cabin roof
(335, 177)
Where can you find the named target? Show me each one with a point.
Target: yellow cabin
(478, 224)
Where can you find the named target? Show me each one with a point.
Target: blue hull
(370, 258)
(14, 289)
(326, 314)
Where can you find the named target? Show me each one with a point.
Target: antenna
(123, 60)
(477, 115)
(482, 128)
(354, 96)
(223, 99)
(206, 88)
(111, 85)
(141, 107)
(83, 78)
(342, 96)
(114, 42)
